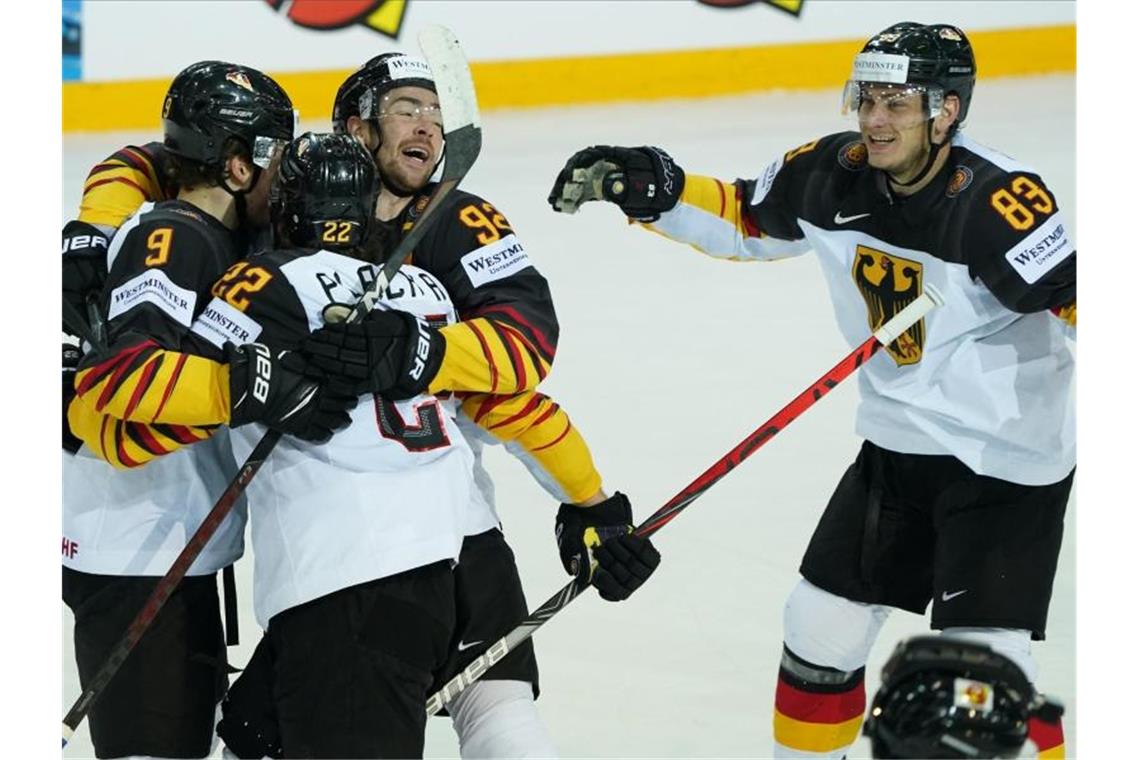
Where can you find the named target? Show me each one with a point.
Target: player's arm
(1017, 244)
(114, 190)
(745, 220)
(118, 185)
(593, 529)
(163, 367)
(541, 435)
(161, 267)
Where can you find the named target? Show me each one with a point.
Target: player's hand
(391, 353)
(644, 182)
(84, 268)
(72, 353)
(275, 390)
(597, 546)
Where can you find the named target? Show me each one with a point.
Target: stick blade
(453, 80)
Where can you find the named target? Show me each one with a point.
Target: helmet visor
(408, 110)
(902, 106)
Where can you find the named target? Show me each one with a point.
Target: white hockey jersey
(988, 377)
(391, 492)
(136, 522)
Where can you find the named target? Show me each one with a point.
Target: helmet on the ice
(947, 697)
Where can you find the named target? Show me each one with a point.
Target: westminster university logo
(888, 283)
(384, 16)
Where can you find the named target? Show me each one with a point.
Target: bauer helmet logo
(949, 33)
(240, 79)
(383, 16)
(166, 104)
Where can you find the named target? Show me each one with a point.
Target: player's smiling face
(892, 121)
(411, 137)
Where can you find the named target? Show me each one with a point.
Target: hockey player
(501, 347)
(142, 395)
(959, 492)
(354, 540)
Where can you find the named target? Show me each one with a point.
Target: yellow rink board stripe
(96, 106)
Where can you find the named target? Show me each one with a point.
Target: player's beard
(402, 182)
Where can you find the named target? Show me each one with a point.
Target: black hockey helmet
(324, 194)
(361, 93)
(935, 57)
(948, 697)
(211, 101)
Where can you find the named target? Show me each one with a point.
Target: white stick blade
(913, 312)
(453, 80)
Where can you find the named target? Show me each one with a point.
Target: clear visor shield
(901, 106)
(410, 110)
(266, 150)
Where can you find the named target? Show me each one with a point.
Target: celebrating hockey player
(960, 489)
(141, 395)
(493, 357)
(353, 540)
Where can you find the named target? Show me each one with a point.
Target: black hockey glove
(84, 268)
(72, 353)
(277, 392)
(391, 353)
(644, 182)
(602, 534)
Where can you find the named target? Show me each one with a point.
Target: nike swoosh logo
(840, 219)
(467, 644)
(947, 597)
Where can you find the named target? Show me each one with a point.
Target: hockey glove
(72, 353)
(644, 181)
(603, 534)
(84, 268)
(391, 353)
(276, 391)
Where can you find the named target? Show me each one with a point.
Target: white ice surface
(666, 360)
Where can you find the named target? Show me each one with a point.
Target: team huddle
(211, 274)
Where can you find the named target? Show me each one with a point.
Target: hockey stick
(463, 141)
(659, 519)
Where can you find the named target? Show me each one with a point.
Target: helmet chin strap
(239, 195)
(930, 159)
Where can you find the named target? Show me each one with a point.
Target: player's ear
(948, 113)
(360, 129)
(239, 172)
